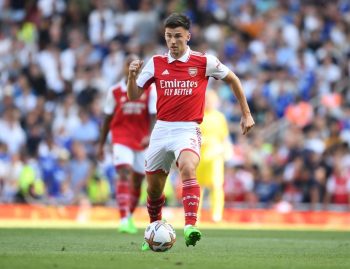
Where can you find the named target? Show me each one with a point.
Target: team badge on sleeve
(192, 71)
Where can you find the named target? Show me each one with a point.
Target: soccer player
(130, 122)
(215, 147)
(181, 77)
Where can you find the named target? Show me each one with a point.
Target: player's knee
(187, 170)
(137, 180)
(154, 192)
(136, 184)
(124, 173)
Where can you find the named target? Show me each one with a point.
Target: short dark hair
(177, 20)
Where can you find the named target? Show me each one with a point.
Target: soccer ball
(160, 236)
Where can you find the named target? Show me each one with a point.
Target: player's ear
(188, 36)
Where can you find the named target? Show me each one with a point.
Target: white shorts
(167, 141)
(123, 155)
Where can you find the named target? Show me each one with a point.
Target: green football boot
(145, 246)
(127, 225)
(123, 226)
(132, 227)
(192, 235)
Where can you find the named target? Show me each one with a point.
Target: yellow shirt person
(215, 144)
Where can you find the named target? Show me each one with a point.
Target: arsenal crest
(192, 71)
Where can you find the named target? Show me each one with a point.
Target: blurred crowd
(58, 58)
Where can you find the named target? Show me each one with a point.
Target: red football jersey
(181, 83)
(131, 119)
(338, 186)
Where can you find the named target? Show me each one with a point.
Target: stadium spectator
(13, 134)
(80, 169)
(65, 120)
(86, 131)
(25, 99)
(98, 188)
(299, 113)
(266, 187)
(239, 186)
(338, 185)
(55, 174)
(31, 186)
(101, 24)
(111, 68)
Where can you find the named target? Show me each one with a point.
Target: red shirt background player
(181, 78)
(126, 113)
(130, 123)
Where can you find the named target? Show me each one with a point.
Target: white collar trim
(184, 58)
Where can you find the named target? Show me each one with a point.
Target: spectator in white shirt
(11, 132)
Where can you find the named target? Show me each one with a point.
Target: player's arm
(103, 135)
(108, 109)
(247, 121)
(152, 105)
(134, 91)
(152, 110)
(138, 81)
(145, 140)
(219, 71)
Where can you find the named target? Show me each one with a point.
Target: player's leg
(123, 197)
(157, 166)
(135, 190)
(186, 145)
(155, 195)
(123, 158)
(155, 198)
(187, 164)
(137, 177)
(217, 196)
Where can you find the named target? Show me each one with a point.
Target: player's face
(176, 40)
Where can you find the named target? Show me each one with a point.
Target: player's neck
(178, 55)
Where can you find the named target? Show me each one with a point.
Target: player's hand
(247, 123)
(135, 68)
(100, 153)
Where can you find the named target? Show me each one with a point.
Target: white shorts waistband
(176, 124)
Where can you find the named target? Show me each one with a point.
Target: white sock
(124, 220)
(188, 225)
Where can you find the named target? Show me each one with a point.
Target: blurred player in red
(181, 77)
(130, 123)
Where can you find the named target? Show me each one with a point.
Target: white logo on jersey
(165, 72)
(133, 108)
(178, 84)
(178, 87)
(192, 71)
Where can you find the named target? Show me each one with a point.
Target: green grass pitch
(218, 249)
